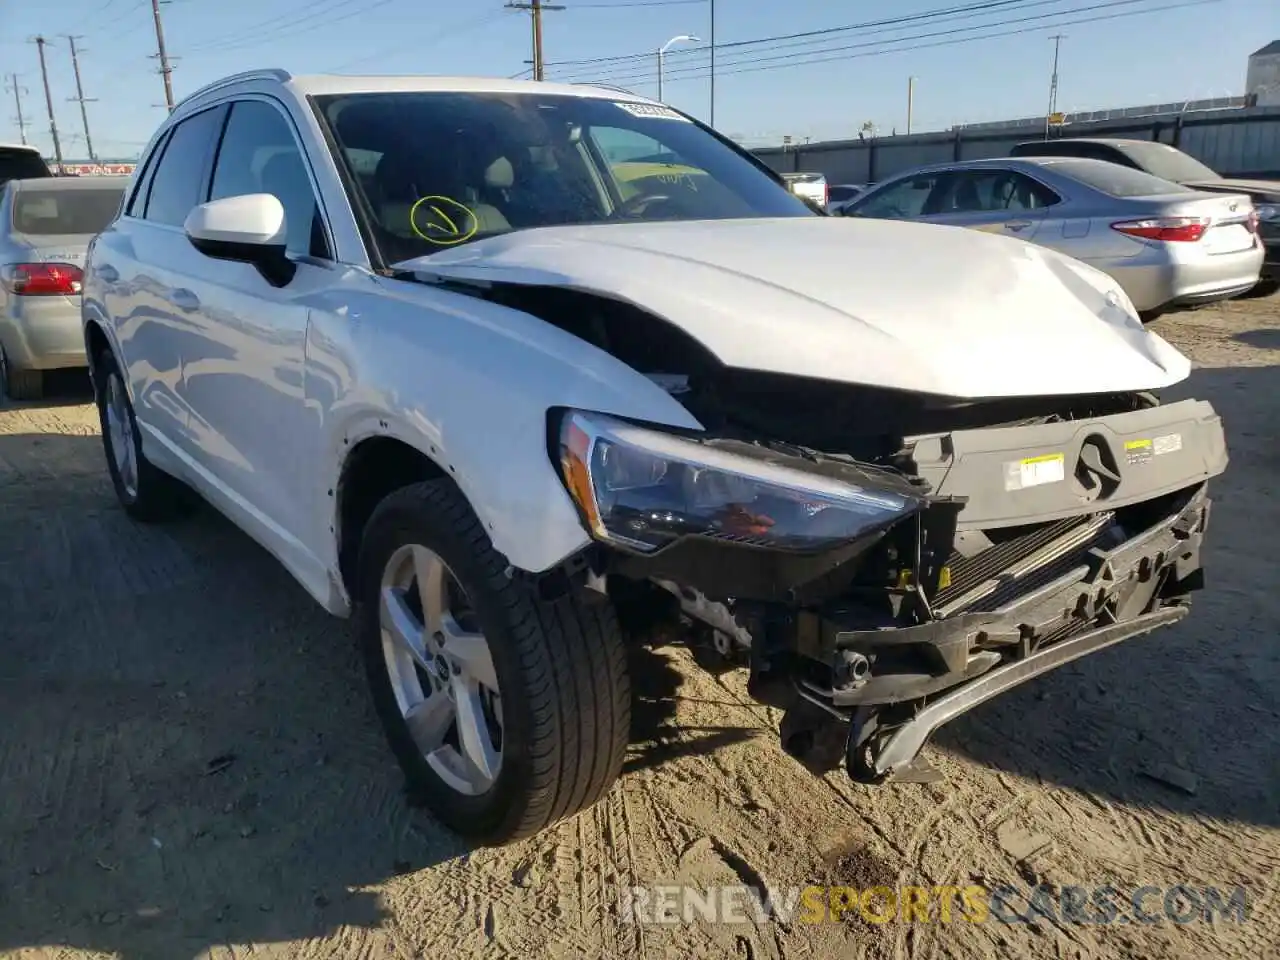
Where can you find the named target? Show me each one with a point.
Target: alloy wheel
(441, 670)
(120, 431)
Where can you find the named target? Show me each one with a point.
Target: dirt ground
(189, 766)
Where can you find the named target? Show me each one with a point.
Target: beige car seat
(402, 181)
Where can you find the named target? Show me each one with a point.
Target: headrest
(500, 174)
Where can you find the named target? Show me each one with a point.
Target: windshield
(436, 169)
(43, 211)
(1169, 163)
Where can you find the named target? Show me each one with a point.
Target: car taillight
(1170, 229)
(826, 195)
(42, 279)
(1252, 223)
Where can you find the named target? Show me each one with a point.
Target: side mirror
(247, 229)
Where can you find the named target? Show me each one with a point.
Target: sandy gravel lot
(189, 766)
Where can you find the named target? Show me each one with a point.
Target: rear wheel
(146, 492)
(506, 712)
(20, 384)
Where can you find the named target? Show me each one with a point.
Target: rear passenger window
(179, 179)
(138, 201)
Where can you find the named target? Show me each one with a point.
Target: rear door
(138, 266)
(993, 200)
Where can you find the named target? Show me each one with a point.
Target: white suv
(515, 369)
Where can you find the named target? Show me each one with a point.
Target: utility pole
(41, 43)
(911, 96)
(536, 7)
(166, 69)
(1057, 39)
(17, 102)
(712, 119)
(80, 98)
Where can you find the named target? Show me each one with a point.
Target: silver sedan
(1165, 244)
(45, 228)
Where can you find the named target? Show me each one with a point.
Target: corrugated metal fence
(1240, 142)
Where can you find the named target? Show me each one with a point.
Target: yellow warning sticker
(1138, 451)
(1034, 471)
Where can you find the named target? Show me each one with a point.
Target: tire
(20, 384)
(147, 493)
(562, 714)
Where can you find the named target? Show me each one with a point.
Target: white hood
(918, 307)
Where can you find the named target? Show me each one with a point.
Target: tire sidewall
(475, 565)
(108, 368)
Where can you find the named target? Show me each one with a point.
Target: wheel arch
(96, 340)
(374, 467)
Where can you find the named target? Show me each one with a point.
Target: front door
(243, 378)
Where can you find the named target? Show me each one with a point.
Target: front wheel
(506, 712)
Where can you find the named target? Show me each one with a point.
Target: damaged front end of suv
(884, 558)
(877, 600)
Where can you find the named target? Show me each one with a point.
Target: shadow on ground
(62, 388)
(1201, 698)
(186, 748)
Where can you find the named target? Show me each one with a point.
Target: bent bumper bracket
(906, 742)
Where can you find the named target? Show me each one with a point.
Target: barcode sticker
(650, 110)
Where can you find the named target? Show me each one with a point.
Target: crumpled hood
(920, 307)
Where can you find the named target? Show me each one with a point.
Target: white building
(1263, 78)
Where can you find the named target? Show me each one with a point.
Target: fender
(403, 364)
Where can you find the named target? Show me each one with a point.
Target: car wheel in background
(506, 711)
(146, 492)
(20, 384)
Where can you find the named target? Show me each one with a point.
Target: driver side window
(259, 154)
(904, 200)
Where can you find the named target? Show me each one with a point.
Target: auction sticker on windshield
(654, 110)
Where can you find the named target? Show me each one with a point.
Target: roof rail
(267, 73)
(605, 86)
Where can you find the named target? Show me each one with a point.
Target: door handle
(108, 273)
(1016, 225)
(184, 299)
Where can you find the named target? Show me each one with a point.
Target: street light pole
(662, 53)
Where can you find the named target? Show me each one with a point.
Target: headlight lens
(643, 488)
(1268, 211)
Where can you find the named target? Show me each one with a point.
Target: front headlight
(1268, 211)
(643, 488)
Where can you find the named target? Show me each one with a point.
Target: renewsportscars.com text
(1073, 904)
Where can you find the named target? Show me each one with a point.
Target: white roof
(322, 84)
(19, 146)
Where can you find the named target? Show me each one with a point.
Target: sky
(969, 65)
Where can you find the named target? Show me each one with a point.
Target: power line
(456, 29)
(41, 43)
(80, 97)
(634, 3)
(753, 64)
(891, 21)
(754, 56)
(315, 19)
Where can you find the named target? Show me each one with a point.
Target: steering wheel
(636, 205)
